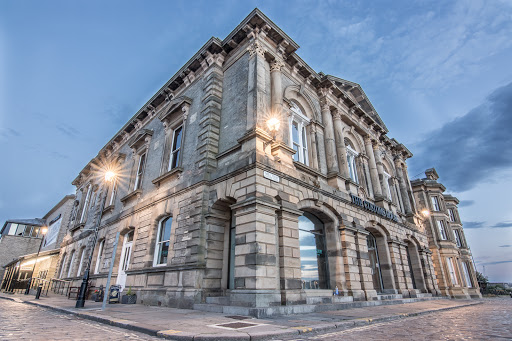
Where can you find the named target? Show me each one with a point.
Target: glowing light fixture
(109, 175)
(273, 124)
(425, 213)
(44, 229)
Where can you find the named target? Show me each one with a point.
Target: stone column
(276, 95)
(409, 187)
(397, 266)
(403, 187)
(313, 147)
(377, 191)
(330, 146)
(289, 254)
(322, 163)
(256, 84)
(341, 150)
(256, 264)
(351, 261)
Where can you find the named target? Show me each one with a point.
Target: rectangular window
(71, 263)
(351, 160)
(98, 258)
(20, 231)
(451, 214)
(174, 157)
(35, 231)
(435, 204)
(466, 275)
(86, 205)
(298, 135)
(451, 268)
(62, 266)
(456, 234)
(12, 229)
(140, 171)
(113, 193)
(442, 229)
(162, 242)
(82, 254)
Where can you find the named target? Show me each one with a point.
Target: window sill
(76, 227)
(167, 176)
(137, 193)
(107, 209)
(306, 169)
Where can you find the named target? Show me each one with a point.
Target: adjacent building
(35, 255)
(251, 180)
(453, 263)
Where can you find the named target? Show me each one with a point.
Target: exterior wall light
(425, 213)
(273, 125)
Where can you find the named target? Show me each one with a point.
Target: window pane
(20, 230)
(164, 251)
(12, 229)
(167, 229)
(176, 144)
(35, 231)
(174, 159)
(296, 155)
(295, 132)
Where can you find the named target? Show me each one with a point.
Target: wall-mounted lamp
(425, 213)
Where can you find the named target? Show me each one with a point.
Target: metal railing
(60, 286)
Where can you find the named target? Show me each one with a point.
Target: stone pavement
(183, 324)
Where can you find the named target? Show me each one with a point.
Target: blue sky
(438, 73)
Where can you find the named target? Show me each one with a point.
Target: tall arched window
(71, 260)
(298, 136)
(351, 161)
(163, 238)
(313, 253)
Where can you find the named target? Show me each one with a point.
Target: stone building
(252, 181)
(25, 262)
(453, 264)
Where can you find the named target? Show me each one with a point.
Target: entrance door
(124, 262)
(410, 267)
(373, 254)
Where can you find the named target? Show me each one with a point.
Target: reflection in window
(298, 123)
(351, 161)
(313, 253)
(162, 242)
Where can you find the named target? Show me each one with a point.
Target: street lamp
(43, 231)
(109, 176)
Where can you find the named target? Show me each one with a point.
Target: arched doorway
(373, 255)
(313, 253)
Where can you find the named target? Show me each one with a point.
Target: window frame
(172, 151)
(141, 166)
(441, 227)
(302, 121)
(99, 257)
(436, 204)
(352, 154)
(81, 263)
(467, 276)
(71, 260)
(458, 239)
(158, 242)
(451, 214)
(85, 208)
(451, 270)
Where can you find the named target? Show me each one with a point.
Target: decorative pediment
(179, 105)
(143, 137)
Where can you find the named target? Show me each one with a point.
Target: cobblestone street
(489, 321)
(19, 321)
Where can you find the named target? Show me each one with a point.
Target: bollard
(38, 293)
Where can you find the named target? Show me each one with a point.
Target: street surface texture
(489, 321)
(20, 321)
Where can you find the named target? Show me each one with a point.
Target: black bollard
(38, 293)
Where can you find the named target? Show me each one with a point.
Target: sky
(438, 73)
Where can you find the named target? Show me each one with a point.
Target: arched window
(99, 257)
(351, 160)
(298, 136)
(81, 263)
(63, 265)
(313, 253)
(163, 238)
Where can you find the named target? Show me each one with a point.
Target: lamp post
(109, 176)
(43, 231)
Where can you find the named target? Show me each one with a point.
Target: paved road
(489, 321)
(20, 321)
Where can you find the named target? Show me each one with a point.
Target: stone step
(222, 300)
(383, 297)
(305, 308)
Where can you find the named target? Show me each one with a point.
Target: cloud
(498, 262)
(472, 148)
(466, 203)
(9, 132)
(505, 245)
(68, 130)
(473, 224)
(503, 224)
